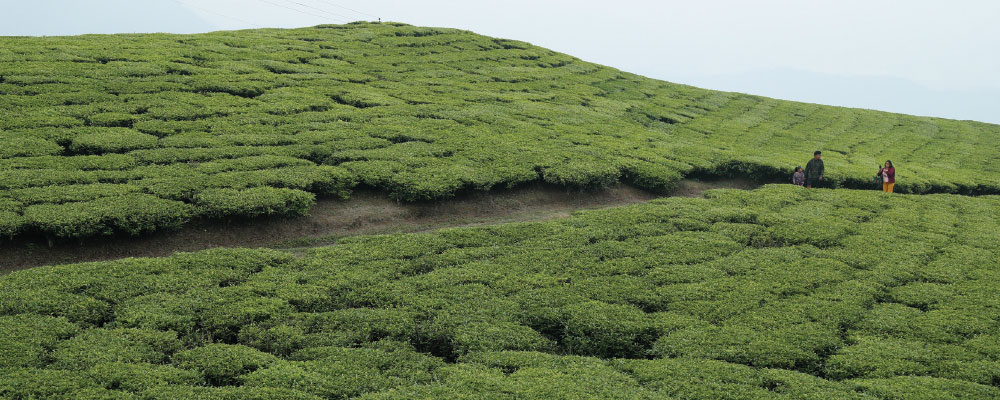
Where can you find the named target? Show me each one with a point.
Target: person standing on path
(888, 174)
(799, 177)
(814, 170)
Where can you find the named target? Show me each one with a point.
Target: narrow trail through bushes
(364, 213)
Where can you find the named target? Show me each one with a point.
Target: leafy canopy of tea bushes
(420, 113)
(775, 293)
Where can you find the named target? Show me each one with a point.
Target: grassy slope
(773, 293)
(136, 133)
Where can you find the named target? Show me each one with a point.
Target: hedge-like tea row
(146, 199)
(421, 113)
(775, 293)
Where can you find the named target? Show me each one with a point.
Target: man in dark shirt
(814, 170)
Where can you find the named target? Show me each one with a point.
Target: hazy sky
(939, 58)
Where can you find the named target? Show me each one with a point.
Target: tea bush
(924, 387)
(254, 202)
(113, 140)
(131, 214)
(666, 299)
(420, 116)
(27, 339)
(220, 364)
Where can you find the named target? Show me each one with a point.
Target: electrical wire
(319, 9)
(348, 9)
(219, 14)
(300, 11)
(344, 20)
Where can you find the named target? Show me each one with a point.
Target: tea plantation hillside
(775, 293)
(134, 133)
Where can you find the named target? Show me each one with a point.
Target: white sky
(922, 57)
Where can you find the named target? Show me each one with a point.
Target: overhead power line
(345, 19)
(299, 11)
(348, 9)
(218, 13)
(320, 10)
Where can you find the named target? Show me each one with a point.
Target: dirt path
(363, 213)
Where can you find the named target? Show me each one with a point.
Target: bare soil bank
(363, 213)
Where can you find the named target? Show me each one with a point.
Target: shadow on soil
(364, 213)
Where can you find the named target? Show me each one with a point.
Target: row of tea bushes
(780, 292)
(77, 203)
(420, 116)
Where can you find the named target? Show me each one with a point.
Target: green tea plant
(780, 292)
(419, 113)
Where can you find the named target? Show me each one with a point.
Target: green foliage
(221, 364)
(254, 202)
(27, 147)
(10, 223)
(130, 346)
(113, 140)
(608, 330)
(924, 388)
(496, 336)
(138, 377)
(525, 375)
(336, 372)
(131, 214)
(31, 383)
(225, 393)
(74, 307)
(694, 378)
(675, 298)
(112, 119)
(886, 358)
(422, 114)
(69, 193)
(27, 339)
(104, 162)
